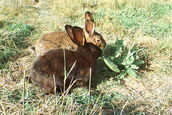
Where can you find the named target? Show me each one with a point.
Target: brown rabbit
(52, 64)
(62, 40)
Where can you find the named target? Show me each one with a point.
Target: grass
(14, 40)
(144, 22)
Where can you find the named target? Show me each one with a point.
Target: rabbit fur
(47, 71)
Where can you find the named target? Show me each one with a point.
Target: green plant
(123, 60)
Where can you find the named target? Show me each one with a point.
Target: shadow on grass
(103, 72)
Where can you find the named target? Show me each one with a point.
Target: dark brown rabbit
(62, 40)
(52, 64)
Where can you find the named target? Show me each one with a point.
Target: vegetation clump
(122, 59)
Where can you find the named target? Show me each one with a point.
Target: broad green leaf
(127, 55)
(138, 62)
(134, 48)
(128, 61)
(118, 51)
(119, 45)
(119, 61)
(111, 65)
(134, 67)
(135, 55)
(131, 72)
(119, 42)
(122, 59)
(127, 66)
(121, 75)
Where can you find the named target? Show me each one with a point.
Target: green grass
(13, 40)
(147, 23)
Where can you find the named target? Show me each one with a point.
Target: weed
(122, 59)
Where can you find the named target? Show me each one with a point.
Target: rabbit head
(93, 36)
(86, 48)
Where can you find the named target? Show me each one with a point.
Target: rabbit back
(52, 41)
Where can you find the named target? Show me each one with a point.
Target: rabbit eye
(97, 40)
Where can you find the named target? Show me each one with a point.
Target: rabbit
(62, 40)
(51, 64)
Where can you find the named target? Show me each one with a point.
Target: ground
(146, 23)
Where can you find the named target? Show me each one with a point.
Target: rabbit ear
(79, 36)
(89, 27)
(89, 16)
(68, 29)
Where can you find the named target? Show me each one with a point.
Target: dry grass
(149, 94)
